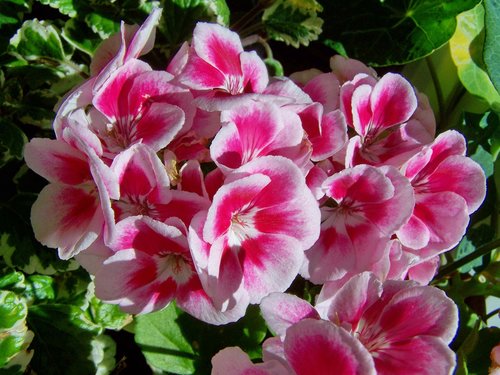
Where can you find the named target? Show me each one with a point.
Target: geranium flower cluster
(213, 184)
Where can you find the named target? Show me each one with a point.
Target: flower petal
(282, 310)
(321, 348)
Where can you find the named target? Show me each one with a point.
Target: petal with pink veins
(321, 348)
(76, 219)
(462, 176)
(423, 355)
(219, 46)
(151, 261)
(255, 72)
(57, 161)
(106, 99)
(392, 101)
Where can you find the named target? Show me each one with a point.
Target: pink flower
(310, 347)
(130, 43)
(366, 206)
(150, 266)
(327, 132)
(405, 327)
(252, 239)
(255, 130)
(216, 63)
(381, 114)
(76, 199)
(145, 188)
(139, 105)
(448, 188)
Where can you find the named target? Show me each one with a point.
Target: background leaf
(293, 22)
(173, 341)
(391, 32)
(162, 341)
(12, 141)
(466, 47)
(62, 342)
(492, 40)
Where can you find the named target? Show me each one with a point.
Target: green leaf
(474, 238)
(174, 341)
(492, 40)
(39, 288)
(12, 141)
(13, 329)
(391, 32)
(485, 160)
(66, 7)
(482, 130)
(102, 24)
(466, 48)
(80, 36)
(12, 11)
(179, 18)
(293, 22)
(11, 14)
(62, 342)
(11, 279)
(163, 343)
(38, 40)
(108, 316)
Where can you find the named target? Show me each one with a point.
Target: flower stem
(479, 252)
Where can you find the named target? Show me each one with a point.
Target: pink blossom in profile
(76, 198)
(253, 237)
(448, 187)
(365, 206)
(218, 66)
(130, 43)
(382, 114)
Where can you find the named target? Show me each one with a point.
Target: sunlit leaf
(102, 24)
(106, 315)
(174, 341)
(466, 47)
(295, 22)
(492, 40)
(10, 279)
(391, 32)
(13, 329)
(38, 40)
(163, 343)
(39, 288)
(66, 7)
